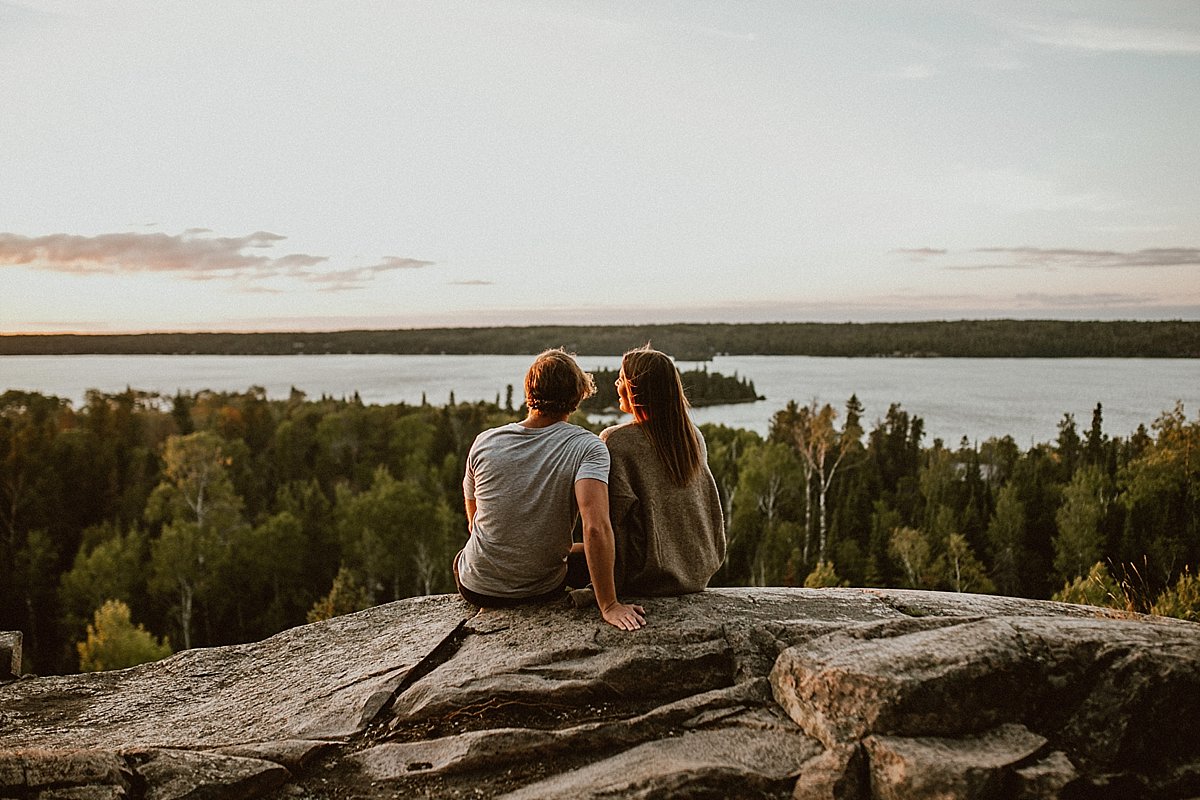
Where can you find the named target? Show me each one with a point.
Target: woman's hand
(624, 616)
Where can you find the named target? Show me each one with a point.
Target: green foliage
(960, 570)
(1078, 543)
(267, 568)
(1097, 588)
(223, 517)
(114, 642)
(345, 597)
(823, 575)
(396, 536)
(1161, 497)
(109, 568)
(1182, 600)
(911, 549)
(765, 505)
(1006, 537)
(201, 519)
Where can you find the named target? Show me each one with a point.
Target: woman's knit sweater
(670, 539)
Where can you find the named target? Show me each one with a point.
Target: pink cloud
(110, 253)
(193, 254)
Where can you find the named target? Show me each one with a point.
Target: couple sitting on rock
(652, 520)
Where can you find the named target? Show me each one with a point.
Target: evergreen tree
(1067, 446)
(1095, 442)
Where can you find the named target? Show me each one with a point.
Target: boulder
(187, 775)
(1116, 695)
(927, 768)
(10, 655)
(838, 694)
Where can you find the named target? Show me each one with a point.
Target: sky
(265, 165)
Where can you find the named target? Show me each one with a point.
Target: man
(525, 485)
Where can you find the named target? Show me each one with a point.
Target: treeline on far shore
(1000, 338)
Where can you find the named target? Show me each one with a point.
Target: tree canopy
(215, 518)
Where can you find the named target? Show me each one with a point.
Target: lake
(972, 397)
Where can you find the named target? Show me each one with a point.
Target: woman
(666, 513)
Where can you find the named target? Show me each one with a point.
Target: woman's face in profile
(623, 395)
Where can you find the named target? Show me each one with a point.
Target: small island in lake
(703, 388)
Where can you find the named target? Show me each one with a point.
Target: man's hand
(592, 497)
(624, 616)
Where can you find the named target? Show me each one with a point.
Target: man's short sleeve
(469, 476)
(595, 461)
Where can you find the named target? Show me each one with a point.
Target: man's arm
(469, 504)
(592, 498)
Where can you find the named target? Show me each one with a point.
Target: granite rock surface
(853, 694)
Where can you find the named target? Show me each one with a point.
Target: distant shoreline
(687, 342)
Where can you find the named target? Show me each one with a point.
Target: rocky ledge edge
(832, 693)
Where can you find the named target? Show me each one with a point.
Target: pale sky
(285, 165)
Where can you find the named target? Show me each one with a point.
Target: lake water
(971, 397)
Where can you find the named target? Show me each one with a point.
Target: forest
(997, 338)
(136, 525)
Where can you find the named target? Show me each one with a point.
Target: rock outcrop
(834, 693)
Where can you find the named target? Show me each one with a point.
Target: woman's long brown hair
(661, 410)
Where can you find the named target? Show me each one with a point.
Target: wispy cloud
(919, 254)
(1048, 259)
(475, 282)
(356, 278)
(188, 253)
(1088, 300)
(390, 263)
(1083, 34)
(193, 254)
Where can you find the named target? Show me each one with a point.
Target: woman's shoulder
(618, 431)
(619, 434)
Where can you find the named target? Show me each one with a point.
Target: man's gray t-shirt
(523, 483)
